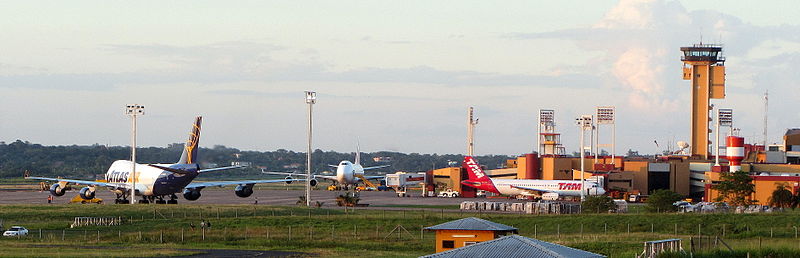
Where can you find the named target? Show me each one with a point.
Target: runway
(227, 196)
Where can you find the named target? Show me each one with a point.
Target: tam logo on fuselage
(569, 186)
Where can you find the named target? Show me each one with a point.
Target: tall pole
(133, 159)
(716, 138)
(596, 136)
(471, 122)
(585, 122)
(613, 142)
(133, 111)
(311, 98)
(583, 133)
(766, 107)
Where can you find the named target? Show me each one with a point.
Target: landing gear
(122, 199)
(161, 202)
(172, 199)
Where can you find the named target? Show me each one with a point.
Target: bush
(598, 204)
(662, 200)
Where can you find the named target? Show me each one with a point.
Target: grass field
(161, 230)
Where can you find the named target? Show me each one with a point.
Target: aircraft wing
(282, 173)
(218, 169)
(242, 182)
(374, 177)
(541, 191)
(334, 178)
(301, 175)
(376, 167)
(82, 182)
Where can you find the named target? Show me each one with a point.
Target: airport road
(265, 197)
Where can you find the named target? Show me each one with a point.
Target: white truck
(449, 193)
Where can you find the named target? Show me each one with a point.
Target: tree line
(90, 161)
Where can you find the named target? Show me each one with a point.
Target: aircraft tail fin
(474, 170)
(189, 155)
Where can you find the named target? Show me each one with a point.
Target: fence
(281, 225)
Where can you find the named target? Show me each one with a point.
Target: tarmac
(264, 197)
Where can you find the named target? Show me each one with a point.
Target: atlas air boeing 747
(155, 182)
(551, 189)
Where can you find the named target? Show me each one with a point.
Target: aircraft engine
(87, 193)
(57, 190)
(244, 190)
(595, 191)
(288, 178)
(313, 182)
(191, 194)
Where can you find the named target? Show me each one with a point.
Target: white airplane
(347, 173)
(549, 189)
(154, 182)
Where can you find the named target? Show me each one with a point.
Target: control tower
(704, 65)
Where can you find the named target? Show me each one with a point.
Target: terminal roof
(472, 223)
(515, 246)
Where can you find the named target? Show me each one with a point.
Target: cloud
(640, 39)
(229, 62)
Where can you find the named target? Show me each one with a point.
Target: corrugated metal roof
(516, 246)
(472, 223)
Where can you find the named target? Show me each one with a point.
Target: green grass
(24, 250)
(419, 206)
(336, 233)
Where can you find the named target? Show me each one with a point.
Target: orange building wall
(521, 165)
(679, 176)
(639, 169)
(764, 186)
(454, 180)
(556, 168)
(459, 237)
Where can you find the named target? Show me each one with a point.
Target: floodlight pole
(583, 134)
(716, 138)
(133, 111)
(584, 122)
(311, 98)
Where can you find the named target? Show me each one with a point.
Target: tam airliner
(155, 182)
(526, 187)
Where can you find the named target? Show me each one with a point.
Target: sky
(390, 75)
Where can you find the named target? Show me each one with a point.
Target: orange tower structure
(704, 65)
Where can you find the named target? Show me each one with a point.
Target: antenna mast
(471, 122)
(766, 108)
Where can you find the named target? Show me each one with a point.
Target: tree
(782, 197)
(735, 188)
(662, 200)
(348, 199)
(597, 204)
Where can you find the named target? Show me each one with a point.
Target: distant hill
(87, 161)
